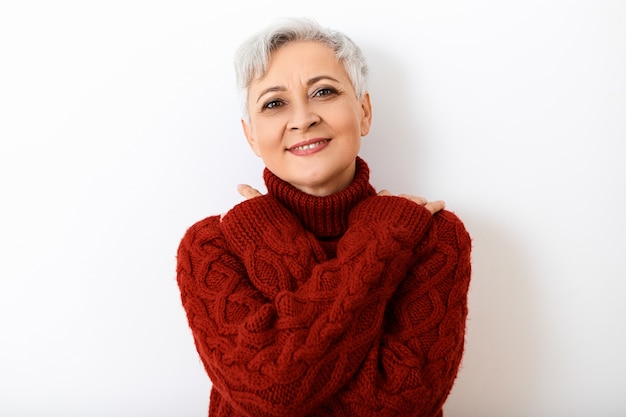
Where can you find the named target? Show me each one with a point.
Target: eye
(323, 92)
(273, 104)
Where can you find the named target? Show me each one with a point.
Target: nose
(303, 117)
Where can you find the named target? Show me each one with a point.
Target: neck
(326, 216)
(344, 179)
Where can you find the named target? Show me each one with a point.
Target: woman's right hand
(247, 191)
(432, 206)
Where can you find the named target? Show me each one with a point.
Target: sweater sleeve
(279, 328)
(413, 366)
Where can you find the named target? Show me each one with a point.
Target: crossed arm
(291, 334)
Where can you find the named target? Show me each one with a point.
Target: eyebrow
(310, 82)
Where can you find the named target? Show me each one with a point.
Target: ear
(366, 115)
(247, 131)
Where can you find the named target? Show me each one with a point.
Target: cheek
(349, 119)
(267, 134)
(349, 124)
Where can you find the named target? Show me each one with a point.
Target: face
(306, 122)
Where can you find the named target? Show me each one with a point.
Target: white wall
(119, 128)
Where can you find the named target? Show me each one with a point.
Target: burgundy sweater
(347, 305)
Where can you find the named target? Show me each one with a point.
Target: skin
(306, 98)
(306, 122)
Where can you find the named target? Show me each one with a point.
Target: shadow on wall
(392, 146)
(500, 366)
(499, 372)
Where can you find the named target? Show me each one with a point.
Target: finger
(416, 199)
(248, 192)
(384, 192)
(435, 206)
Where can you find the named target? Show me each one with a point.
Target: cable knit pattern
(348, 305)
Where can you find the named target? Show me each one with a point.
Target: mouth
(308, 145)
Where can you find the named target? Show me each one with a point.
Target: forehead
(301, 59)
(302, 48)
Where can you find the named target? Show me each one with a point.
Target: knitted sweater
(352, 304)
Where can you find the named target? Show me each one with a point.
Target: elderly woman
(322, 297)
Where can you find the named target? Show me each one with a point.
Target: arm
(280, 329)
(412, 369)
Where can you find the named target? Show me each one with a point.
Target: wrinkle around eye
(273, 104)
(325, 91)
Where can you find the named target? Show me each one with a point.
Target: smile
(308, 146)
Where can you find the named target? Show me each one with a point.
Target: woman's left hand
(432, 206)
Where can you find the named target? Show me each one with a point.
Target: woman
(322, 297)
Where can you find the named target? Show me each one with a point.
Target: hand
(247, 191)
(433, 206)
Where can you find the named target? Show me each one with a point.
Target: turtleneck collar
(325, 217)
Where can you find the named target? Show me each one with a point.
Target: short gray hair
(253, 55)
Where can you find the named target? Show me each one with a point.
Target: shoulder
(236, 229)
(201, 232)
(450, 229)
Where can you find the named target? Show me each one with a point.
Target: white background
(119, 127)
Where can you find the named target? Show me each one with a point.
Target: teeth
(309, 146)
